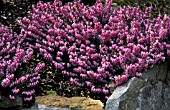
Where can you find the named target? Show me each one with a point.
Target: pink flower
(89, 83)
(33, 84)
(15, 91)
(84, 76)
(58, 59)
(96, 90)
(23, 79)
(11, 97)
(105, 91)
(168, 46)
(10, 76)
(168, 52)
(5, 82)
(59, 53)
(39, 67)
(120, 79)
(138, 74)
(1, 72)
(87, 42)
(100, 70)
(28, 98)
(47, 56)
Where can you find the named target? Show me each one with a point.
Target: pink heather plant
(94, 45)
(15, 77)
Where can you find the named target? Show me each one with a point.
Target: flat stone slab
(73, 103)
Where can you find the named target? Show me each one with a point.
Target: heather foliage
(92, 46)
(15, 77)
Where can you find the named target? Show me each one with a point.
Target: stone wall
(151, 92)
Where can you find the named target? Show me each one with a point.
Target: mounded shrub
(95, 45)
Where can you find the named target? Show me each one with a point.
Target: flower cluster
(15, 76)
(93, 45)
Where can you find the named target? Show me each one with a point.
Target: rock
(34, 107)
(44, 107)
(41, 107)
(158, 72)
(168, 65)
(168, 75)
(5, 102)
(64, 103)
(138, 94)
(123, 93)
